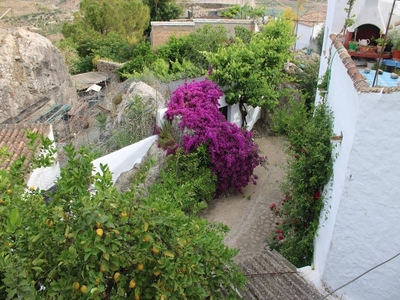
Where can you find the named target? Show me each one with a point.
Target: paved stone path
(248, 215)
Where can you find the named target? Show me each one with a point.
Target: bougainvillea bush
(233, 153)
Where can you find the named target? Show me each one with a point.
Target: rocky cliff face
(32, 75)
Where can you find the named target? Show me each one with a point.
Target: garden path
(248, 216)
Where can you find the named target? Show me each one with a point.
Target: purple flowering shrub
(233, 153)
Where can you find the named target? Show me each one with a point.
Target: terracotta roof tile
(359, 82)
(313, 18)
(13, 136)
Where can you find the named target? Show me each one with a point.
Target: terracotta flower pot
(396, 55)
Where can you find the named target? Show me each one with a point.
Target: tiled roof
(271, 276)
(85, 80)
(359, 82)
(313, 18)
(14, 138)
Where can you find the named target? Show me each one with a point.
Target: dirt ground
(248, 216)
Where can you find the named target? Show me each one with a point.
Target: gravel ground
(248, 216)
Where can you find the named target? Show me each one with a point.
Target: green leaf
(14, 219)
(38, 262)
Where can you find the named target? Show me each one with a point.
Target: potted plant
(379, 44)
(353, 45)
(394, 38)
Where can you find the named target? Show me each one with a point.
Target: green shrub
(138, 123)
(309, 170)
(177, 180)
(142, 56)
(103, 244)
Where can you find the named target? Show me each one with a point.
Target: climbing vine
(309, 170)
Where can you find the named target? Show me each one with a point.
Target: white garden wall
(124, 159)
(234, 115)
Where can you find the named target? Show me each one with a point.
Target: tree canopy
(252, 73)
(98, 243)
(127, 18)
(163, 10)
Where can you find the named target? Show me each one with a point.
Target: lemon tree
(86, 240)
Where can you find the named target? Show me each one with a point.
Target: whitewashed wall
(124, 159)
(234, 115)
(344, 101)
(359, 227)
(304, 34)
(44, 178)
(362, 227)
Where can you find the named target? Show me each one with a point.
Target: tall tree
(128, 18)
(163, 10)
(252, 73)
(106, 28)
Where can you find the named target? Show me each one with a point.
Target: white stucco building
(359, 227)
(307, 28)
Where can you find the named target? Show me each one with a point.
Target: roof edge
(360, 84)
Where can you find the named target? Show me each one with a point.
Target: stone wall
(229, 24)
(162, 31)
(107, 67)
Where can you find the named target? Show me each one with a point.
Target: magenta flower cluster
(234, 155)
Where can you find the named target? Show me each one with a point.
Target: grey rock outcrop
(32, 74)
(148, 95)
(125, 180)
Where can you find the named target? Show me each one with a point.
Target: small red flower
(317, 195)
(272, 206)
(277, 211)
(280, 237)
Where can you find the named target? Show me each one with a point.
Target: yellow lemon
(123, 214)
(116, 277)
(83, 289)
(140, 267)
(76, 286)
(99, 232)
(132, 284)
(49, 222)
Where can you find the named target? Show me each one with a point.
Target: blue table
(391, 63)
(382, 80)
